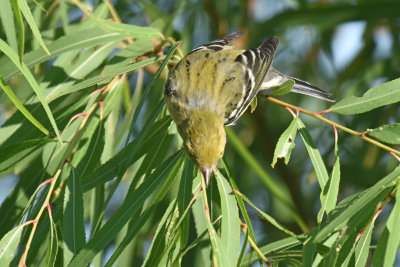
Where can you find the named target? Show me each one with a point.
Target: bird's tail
(275, 78)
(305, 88)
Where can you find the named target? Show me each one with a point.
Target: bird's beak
(206, 174)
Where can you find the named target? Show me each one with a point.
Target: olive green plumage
(204, 94)
(212, 86)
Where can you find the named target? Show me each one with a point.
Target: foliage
(101, 178)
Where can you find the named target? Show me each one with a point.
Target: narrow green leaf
(201, 236)
(310, 252)
(132, 203)
(76, 40)
(381, 95)
(21, 107)
(315, 156)
(88, 60)
(128, 155)
(103, 78)
(31, 22)
(164, 187)
(9, 244)
(126, 29)
(253, 105)
(326, 253)
(230, 226)
(342, 250)
(219, 249)
(388, 243)
(162, 239)
(22, 196)
(35, 86)
(135, 225)
(64, 16)
(200, 224)
(268, 218)
(7, 19)
(330, 192)
(149, 86)
(171, 251)
(87, 157)
(154, 152)
(170, 237)
(284, 88)
(11, 156)
(20, 27)
(240, 202)
(73, 223)
(17, 129)
(273, 247)
(346, 249)
(184, 196)
(286, 143)
(349, 258)
(243, 249)
(353, 208)
(131, 51)
(363, 246)
(39, 244)
(387, 133)
(52, 244)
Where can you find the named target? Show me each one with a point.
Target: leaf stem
(207, 212)
(36, 220)
(377, 212)
(318, 115)
(113, 12)
(254, 245)
(68, 153)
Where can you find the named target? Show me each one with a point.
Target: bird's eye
(168, 90)
(229, 79)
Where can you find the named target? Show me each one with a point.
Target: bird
(213, 85)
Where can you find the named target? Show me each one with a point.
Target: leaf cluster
(100, 177)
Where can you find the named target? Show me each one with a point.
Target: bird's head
(204, 139)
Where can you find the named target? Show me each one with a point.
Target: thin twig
(207, 210)
(36, 220)
(378, 211)
(334, 124)
(68, 154)
(254, 245)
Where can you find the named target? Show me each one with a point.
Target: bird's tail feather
(274, 78)
(305, 88)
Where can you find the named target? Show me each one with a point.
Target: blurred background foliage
(344, 47)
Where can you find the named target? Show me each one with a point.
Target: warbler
(213, 85)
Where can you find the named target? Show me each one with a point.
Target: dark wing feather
(305, 88)
(256, 63)
(218, 44)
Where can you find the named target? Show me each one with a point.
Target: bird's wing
(255, 64)
(218, 44)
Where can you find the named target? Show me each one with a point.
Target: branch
(318, 115)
